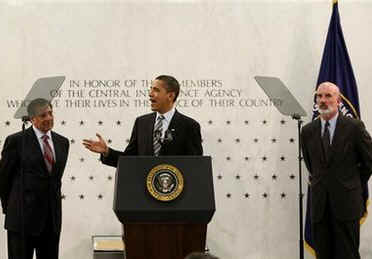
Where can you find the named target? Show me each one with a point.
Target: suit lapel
(174, 120)
(35, 145)
(318, 139)
(337, 138)
(149, 129)
(58, 154)
(172, 127)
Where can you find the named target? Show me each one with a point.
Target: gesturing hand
(99, 146)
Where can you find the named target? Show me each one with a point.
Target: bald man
(338, 155)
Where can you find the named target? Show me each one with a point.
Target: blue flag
(336, 68)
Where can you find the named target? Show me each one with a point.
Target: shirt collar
(167, 116)
(40, 134)
(332, 122)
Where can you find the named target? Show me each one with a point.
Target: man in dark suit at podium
(163, 132)
(338, 154)
(43, 159)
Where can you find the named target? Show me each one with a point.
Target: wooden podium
(155, 229)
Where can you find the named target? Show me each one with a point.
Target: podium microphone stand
(275, 89)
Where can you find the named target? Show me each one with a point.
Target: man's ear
(339, 99)
(172, 96)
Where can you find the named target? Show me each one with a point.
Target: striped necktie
(158, 129)
(48, 153)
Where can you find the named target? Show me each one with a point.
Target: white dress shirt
(332, 127)
(167, 119)
(39, 135)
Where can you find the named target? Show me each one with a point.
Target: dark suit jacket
(185, 132)
(42, 190)
(340, 177)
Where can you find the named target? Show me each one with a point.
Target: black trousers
(335, 239)
(46, 245)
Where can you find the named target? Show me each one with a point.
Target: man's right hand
(99, 146)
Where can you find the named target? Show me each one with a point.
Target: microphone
(168, 136)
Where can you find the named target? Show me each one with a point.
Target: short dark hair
(171, 83)
(35, 105)
(198, 255)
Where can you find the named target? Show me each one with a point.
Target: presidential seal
(164, 182)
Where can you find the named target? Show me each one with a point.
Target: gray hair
(35, 105)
